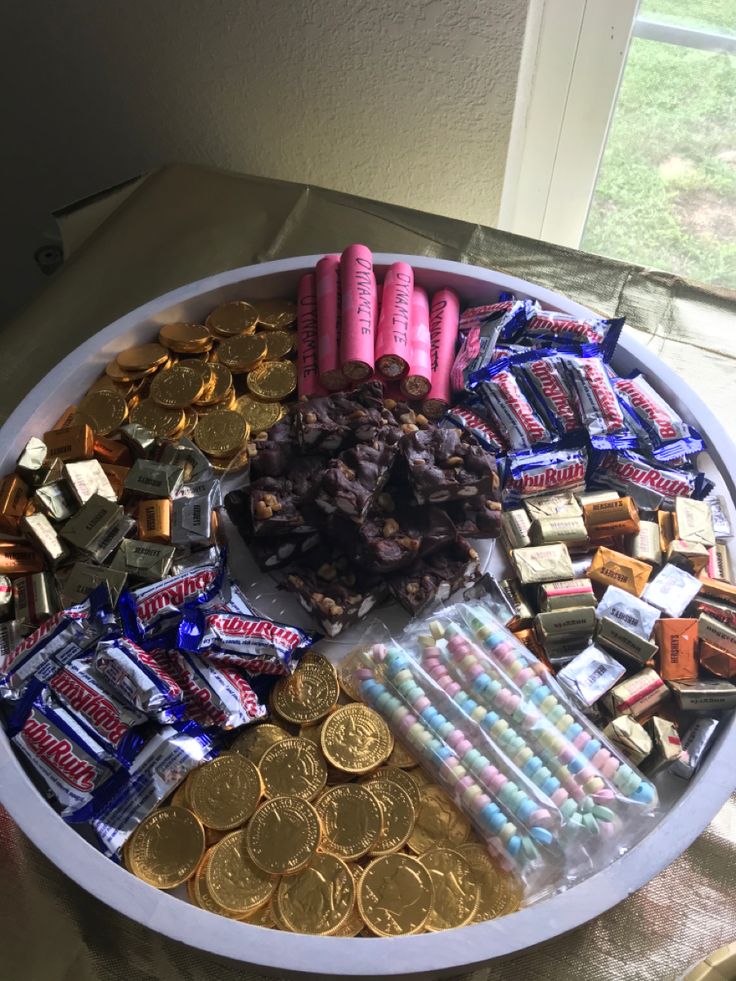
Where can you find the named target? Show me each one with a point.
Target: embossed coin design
(177, 387)
(438, 822)
(221, 381)
(293, 768)
(398, 816)
(230, 319)
(104, 411)
(166, 847)
(283, 835)
(455, 889)
(242, 353)
(319, 898)
(401, 757)
(233, 879)
(259, 415)
(356, 739)
(253, 741)
(273, 380)
(157, 419)
(305, 696)
(395, 896)
(491, 893)
(200, 895)
(403, 779)
(224, 792)
(275, 314)
(220, 433)
(352, 820)
(279, 343)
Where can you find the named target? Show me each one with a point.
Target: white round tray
(690, 806)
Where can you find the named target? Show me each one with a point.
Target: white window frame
(572, 61)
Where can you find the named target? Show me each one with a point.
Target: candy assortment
(366, 435)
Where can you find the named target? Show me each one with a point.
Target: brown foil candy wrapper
(719, 662)
(666, 522)
(718, 590)
(630, 737)
(606, 518)
(716, 633)
(645, 544)
(544, 563)
(13, 502)
(677, 640)
(112, 451)
(592, 497)
(154, 520)
(17, 558)
(616, 569)
(637, 695)
(72, 443)
(694, 522)
(687, 555)
(34, 597)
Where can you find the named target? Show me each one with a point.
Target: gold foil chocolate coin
(273, 380)
(230, 319)
(159, 420)
(220, 385)
(293, 768)
(403, 779)
(398, 816)
(395, 896)
(319, 898)
(356, 739)
(492, 895)
(185, 338)
(200, 895)
(455, 889)
(253, 741)
(275, 314)
(166, 847)
(262, 917)
(190, 422)
(224, 792)
(283, 835)
(104, 411)
(279, 343)
(242, 353)
(305, 696)
(259, 415)
(142, 358)
(233, 879)
(221, 433)
(114, 371)
(438, 822)
(177, 387)
(352, 820)
(401, 757)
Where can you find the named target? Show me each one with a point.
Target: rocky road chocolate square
(352, 482)
(283, 505)
(478, 517)
(275, 455)
(433, 579)
(335, 594)
(330, 423)
(447, 465)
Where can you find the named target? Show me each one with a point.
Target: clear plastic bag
(553, 799)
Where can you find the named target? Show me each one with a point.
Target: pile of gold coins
(214, 382)
(320, 824)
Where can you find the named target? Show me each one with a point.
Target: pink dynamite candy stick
(359, 303)
(392, 341)
(444, 318)
(327, 273)
(418, 381)
(306, 325)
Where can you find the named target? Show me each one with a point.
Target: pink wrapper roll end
(418, 381)
(327, 273)
(359, 312)
(392, 339)
(307, 371)
(444, 319)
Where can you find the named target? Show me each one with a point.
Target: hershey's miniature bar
(695, 744)
(711, 695)
(645, 544)
(678, 640)
(615, 637)
(42, 533)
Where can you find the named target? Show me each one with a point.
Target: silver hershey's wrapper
(188, 457)
(616, 638)
(42, 533)
(645, 544)
(573, 620)
(55, 501)
(590, 675)
(106, 544)
(35, 597)
(629, 611)
(671, 590)
(32, 460)
(542, 563)
(151, 479)
(91, 522)
(695, 744)
(191, 522)
(53, 471)
(719, 516)
(143, 560)
(83, 577)
(12, 631)
(515, 525)
(139, 440)
(563, 505)
(86, 478)
(694, 522)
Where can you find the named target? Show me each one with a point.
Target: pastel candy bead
(550, 786)
(568, 808)
(600, 758)
(556, 714)
(525, 810)
(581, 739)
(603, 813)
(524, 755)
(491, 719)
(463, 747)
(465, 782)
(574, 730)
(586, 774)
(644, 793)
(472, 756)
(507, 832)
(564, 723)
(593, 785)
(524, 675)
(592, 747)
(427, 713)
(513, 845)
(567, 754)
(494, 688)
(497, 822)
(452, 689)
(475, 670)
(585, 805)
(541, 835)
(576, 764)
(403, 674)
(547, 704)
(481, 801)
(445, 728)
(481, 682)
(590, 824)
(383, 700)
(478, 713)
(576, 791)
(609, 767)
(533, 765)
(406, 723)
(422, 703)
(559, 796)
(379, 651)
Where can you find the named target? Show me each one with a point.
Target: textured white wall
(409, 101)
